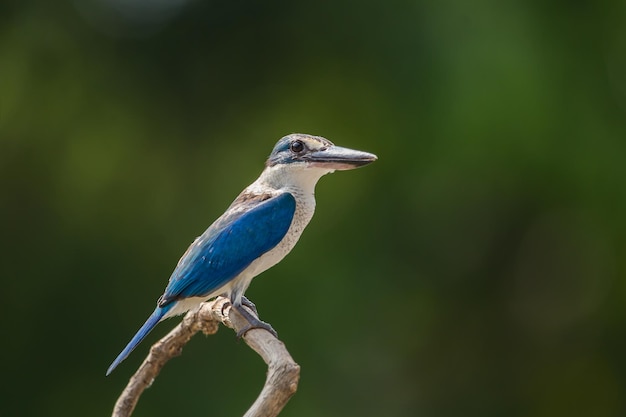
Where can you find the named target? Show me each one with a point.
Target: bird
(259, 228)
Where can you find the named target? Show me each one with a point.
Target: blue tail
(152, 321)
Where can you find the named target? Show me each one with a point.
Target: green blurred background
(477, 269)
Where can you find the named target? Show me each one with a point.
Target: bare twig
(282, 374)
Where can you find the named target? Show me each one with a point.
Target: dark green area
(477, 269)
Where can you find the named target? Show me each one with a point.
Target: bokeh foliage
(477, 269)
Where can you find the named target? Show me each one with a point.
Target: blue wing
(251, 226)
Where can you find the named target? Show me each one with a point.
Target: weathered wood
(282, 374)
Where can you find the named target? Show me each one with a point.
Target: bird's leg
(253, 321)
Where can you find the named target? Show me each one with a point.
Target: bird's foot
(247, 303)
(253, 321)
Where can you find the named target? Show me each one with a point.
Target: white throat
(295, 178)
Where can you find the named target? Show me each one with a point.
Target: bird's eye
(296, 146)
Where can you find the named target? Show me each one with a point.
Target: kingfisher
(257, 231)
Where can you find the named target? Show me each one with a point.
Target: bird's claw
(253, 321)
(260, 325)
(247, 303)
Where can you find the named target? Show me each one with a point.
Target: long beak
(338, 158)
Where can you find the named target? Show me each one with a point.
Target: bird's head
(316, 153)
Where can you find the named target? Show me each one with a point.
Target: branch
(282, 373)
